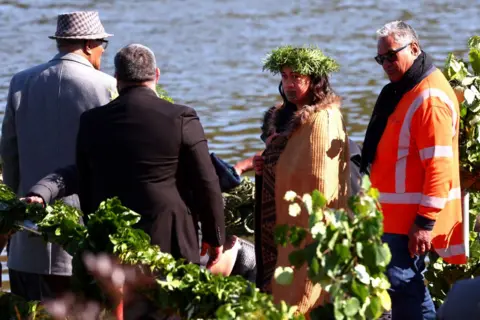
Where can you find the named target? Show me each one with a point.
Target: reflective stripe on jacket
(416, 167)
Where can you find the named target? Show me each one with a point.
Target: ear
(87, 47)
(416, 48)
(157, 75)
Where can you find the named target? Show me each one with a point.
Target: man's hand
(243, 166)
(33, 199)
(419, 242)
(214, 253)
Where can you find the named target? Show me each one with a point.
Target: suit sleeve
(205, 184)
(9, 146)
(61, 183)
(83, 172)
(433, 127)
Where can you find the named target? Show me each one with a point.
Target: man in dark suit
(154, 156)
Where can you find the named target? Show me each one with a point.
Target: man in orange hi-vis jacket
(411, 152)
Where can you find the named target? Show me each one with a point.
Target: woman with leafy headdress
(307, 149)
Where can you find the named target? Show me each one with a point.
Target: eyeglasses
(391, 55)
(104, 43)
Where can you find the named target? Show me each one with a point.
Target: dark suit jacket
(153, 155)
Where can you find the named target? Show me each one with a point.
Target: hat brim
(82, 37)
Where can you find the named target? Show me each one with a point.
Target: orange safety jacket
(416, 166)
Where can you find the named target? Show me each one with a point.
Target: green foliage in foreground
(163, 94)
(464, 77)
(441, 276)
(347, 256)
(182, 289)
(15, 308)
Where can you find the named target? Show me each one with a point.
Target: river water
(210, 52)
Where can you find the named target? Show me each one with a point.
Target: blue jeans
(410, 297)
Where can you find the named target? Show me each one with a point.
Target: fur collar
(303, 115)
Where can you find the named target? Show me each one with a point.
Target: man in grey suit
(38, 136)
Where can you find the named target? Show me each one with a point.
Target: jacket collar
(304, 115)
(72, 57)
(137, 88)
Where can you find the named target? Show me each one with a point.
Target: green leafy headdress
(308, 61)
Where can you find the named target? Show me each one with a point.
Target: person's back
(51, 99)
(153, 156)
(38, 135)
(134, 146)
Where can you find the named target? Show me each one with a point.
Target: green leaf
(359, 248)
(467, 81)
(343, 250)
(463, 110)
(385, 300)
(475, 107)
(382, 255)
(162, 94)
(319, 231)
(283, 275)
(314, 266)
(352, 307)
(307, 202)
(333, 240)
(475, 120)
(281, 235)
(455, 69)
(474, 42)
(314, 218)
(297, 258)
(297, 235)
(469, 96)
(374, 309)
(366, 184)
(338, 312)
(310, 251)
(362, 274)
(360, 290)
(318, 200)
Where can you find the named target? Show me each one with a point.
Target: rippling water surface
(210, 51)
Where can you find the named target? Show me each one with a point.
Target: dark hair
(320, 91)
(135, 63)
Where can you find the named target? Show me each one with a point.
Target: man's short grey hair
(135, 63)
(402, 32)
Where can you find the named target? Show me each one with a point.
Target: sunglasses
(104, 43)
(390, 56)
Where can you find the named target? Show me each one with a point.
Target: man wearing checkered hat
(39, 135)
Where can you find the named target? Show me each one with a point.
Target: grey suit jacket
(39, 135)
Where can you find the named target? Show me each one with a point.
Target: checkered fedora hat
(83, 25)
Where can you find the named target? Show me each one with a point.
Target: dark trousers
(410, 297)
(37, 287)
